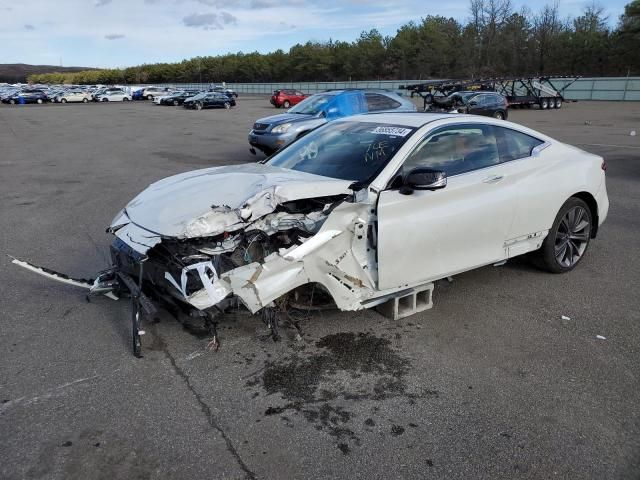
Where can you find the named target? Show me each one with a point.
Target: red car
(286, 97)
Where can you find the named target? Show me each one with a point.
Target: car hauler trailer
(519, 91)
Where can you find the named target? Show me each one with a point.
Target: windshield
(355, 151)
(313, 104)
(199, 96)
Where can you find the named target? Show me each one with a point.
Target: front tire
(12, 101)
(568, 239)
(498, 115)
(39, 101)
(175, 103)
(149, 97)
(286, 104)
(198, 106)
(85, 100)
(63, 100)
(544, 104)
(227, 105)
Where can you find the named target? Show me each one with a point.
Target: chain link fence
(594, 88)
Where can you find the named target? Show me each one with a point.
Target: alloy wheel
(572, 236)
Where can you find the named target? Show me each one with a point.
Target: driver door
(429, 235)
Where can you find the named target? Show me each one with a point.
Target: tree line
(495, 40)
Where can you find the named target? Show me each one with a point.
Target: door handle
(493, 179)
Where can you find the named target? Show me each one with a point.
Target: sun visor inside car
(346, 104)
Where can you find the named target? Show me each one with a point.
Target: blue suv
(272, 133)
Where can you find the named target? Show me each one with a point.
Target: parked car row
(197, 100)
(22, 94)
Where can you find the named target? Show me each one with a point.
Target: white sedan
(114, 96)
(370, 210)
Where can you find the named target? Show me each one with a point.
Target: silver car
(272, 133)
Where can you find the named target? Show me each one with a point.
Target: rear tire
(544, 104)
(39, 101)
(175, 103)
(558, 103)
(568, 238)
(63, 100)
(12, 101)
(198, 106)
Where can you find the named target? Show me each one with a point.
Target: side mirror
(423, 179)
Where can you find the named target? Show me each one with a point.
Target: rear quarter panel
(559, 172)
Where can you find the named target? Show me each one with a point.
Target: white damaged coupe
(369, 210)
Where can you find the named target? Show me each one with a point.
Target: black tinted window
(513, 144)
(455, 150)
(377, 102)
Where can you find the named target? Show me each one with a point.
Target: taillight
(603, 166)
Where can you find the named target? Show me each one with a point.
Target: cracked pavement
(492, 382)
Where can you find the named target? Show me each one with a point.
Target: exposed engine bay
(254, 236)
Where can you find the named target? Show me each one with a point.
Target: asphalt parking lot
(490, 383)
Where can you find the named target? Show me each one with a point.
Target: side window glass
(377, 102)
(456, 150)
(513, 144)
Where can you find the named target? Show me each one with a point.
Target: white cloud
(171, 30)
(210, 21)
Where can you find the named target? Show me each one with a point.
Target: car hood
(211, 201)
(284, 118)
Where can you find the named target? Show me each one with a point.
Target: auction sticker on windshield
(397, 131)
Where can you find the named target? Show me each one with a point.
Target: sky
(121, 33)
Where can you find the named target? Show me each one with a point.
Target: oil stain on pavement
(344, 368)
